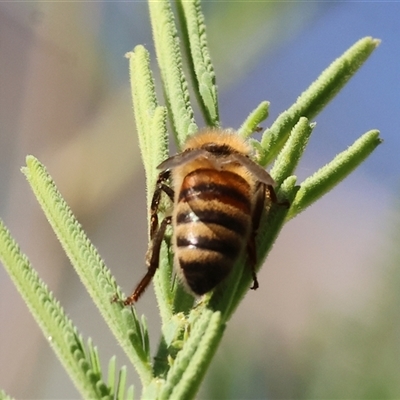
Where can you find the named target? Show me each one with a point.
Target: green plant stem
(169, 58)
(252, 122)
(200, 65)
(150, 117)
(90, 267)
(55, 325)
(315, 98)
(290, 155)
(331, 174)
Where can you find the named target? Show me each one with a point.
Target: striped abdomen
(212, 220)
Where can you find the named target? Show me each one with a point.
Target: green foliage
(201, 68)
(80, 361)
(331, 174)
(251, 124)
(166, 41)
(317, 96)
(90, 267)
(150, 116)
(190, 336)
(4, 396)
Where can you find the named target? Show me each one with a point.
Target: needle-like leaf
(90, 267)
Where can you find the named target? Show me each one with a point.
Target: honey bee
(218, 196)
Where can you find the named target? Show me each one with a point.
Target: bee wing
(182, 158)
(260, 173)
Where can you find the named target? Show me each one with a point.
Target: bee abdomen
(212, 221)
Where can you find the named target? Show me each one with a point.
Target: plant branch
(90, 267)
(80, 361)
(317, 96)
(169, 59)
(200, 65)
(331, 174)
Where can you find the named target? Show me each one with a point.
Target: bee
(218, 194)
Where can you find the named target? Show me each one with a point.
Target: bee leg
(261, 190)
(152, 261)
(274, 198)
(156, 236)
(252, 257)
(251, 244)
(161, 186)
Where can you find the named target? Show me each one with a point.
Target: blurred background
(325, 321)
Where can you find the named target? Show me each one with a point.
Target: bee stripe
(217, 217)
(229, 249)
(211, 191)
(224, 186)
